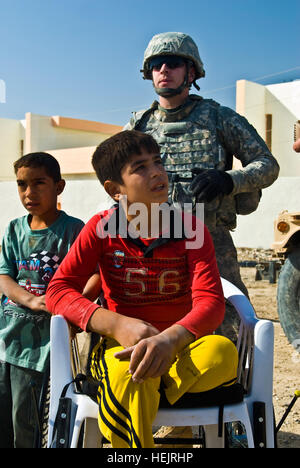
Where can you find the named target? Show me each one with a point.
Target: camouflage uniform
(205, 135)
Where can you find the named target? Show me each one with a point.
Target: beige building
(272, 110)
(72, 142)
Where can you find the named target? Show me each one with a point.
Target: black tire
(41, 433)
(288, 298)
(45, 406)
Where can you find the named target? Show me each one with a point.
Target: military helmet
(173, 43)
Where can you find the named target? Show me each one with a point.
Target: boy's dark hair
(40, 159)
(112, 154)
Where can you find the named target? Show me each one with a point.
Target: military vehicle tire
(288, 298)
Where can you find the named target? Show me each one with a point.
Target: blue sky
(81, 58)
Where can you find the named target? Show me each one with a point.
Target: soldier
(199, 138)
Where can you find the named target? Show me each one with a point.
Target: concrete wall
(11, 134)
(72, 142)
(10, 205)
(283, 102)
(250, 102)
(76, 161)
(82, 198)
(257, 229)
(43, 133)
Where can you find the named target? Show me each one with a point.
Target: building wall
(257, 229)
(282, 101)
(52, 133)
(75, 161)
(82, 197)
(250, 102)
(12, 135)
(10, 205)
(72, 142)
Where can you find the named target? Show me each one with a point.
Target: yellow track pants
(127, 409)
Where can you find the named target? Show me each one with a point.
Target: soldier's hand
(210, 183)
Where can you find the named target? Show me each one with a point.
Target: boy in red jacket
(163, 295)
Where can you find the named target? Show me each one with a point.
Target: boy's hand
(127, 331)
(153, 356)
(16, 293)
(38, 303)
(130, 331)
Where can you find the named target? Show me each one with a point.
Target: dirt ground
(286, 359)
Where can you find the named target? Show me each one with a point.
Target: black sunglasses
(170, 60)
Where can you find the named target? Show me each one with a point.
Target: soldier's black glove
(210, 183)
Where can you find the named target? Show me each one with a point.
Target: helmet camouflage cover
(173, 43)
